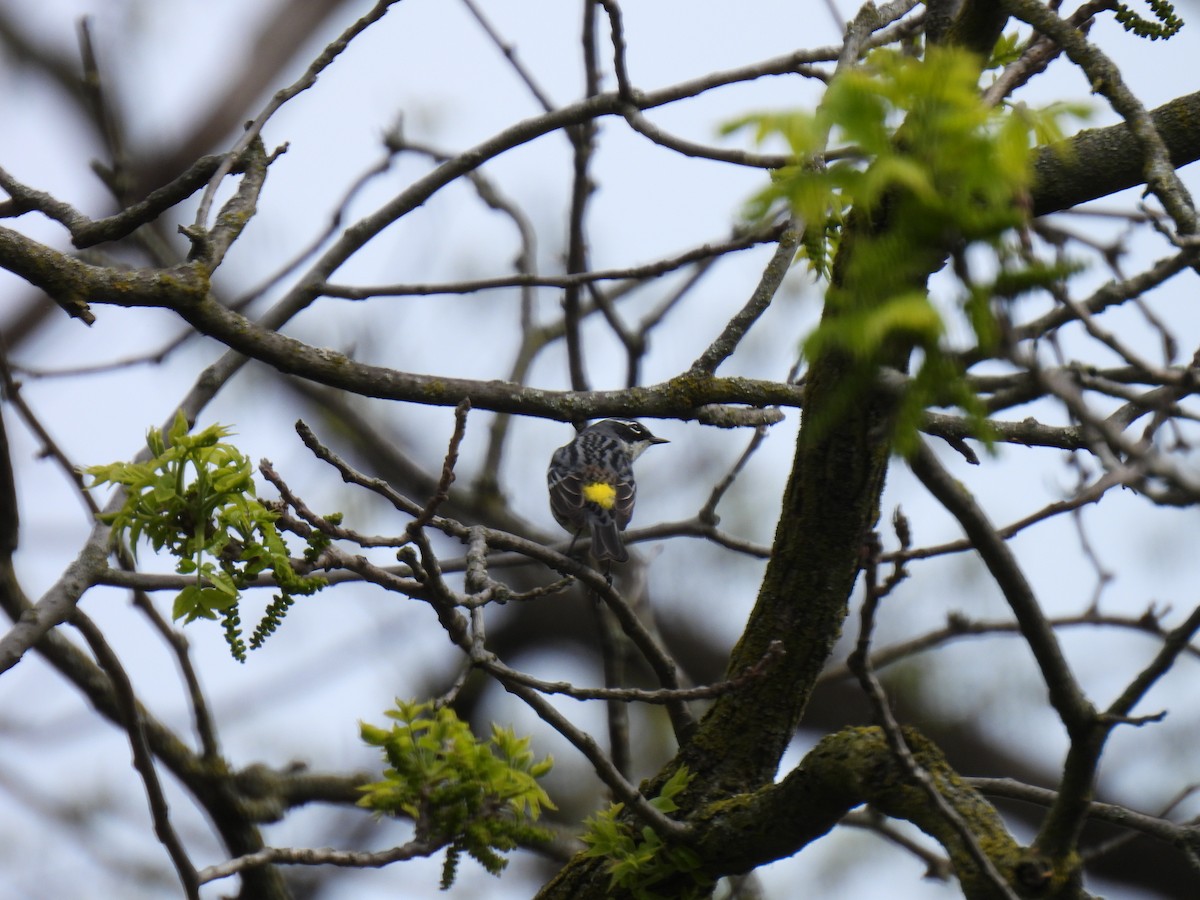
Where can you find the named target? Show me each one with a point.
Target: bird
(591, 483)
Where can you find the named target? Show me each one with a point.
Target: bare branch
(307, 80)
(510, 54)
(742, 240)
(86, 232)
(859, 662)
(760, 299)
(1106, 78)
(1154, 826)
(143, 761)
(492, 664)
(1174, 643)
(327, 856)
(447, 478)
(57, 605)
(1067, 697)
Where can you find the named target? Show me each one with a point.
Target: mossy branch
(856, 766)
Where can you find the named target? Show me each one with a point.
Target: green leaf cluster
(480, 797)
(639, 860)
(922, 167)
(195, 499)
(1008, 49)
(914, 135)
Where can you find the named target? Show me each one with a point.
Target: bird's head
(633, 434)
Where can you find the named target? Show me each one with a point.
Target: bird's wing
(623, 502)
(566, 492)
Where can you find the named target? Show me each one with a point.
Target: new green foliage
(638, 860)
(481, 797)
(195, 499)
(927, 169)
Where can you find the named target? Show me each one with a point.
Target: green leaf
(196, 499)
(186, 601)
(917, 145)
(639, 860)
(1008, 50)
(481, 797)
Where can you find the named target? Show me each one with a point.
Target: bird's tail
(606, 539)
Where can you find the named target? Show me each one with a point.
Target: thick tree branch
(1101, 161)
(86, 232)
(1158, 163)
(57, 605)
(846, 769)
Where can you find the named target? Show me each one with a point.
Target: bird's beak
(659, 440)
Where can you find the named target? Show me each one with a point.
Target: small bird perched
(591, 482)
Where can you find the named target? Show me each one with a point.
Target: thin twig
(1066, 695)
(582, 137)
(307, 80)
(1090, 494)
(510, 53)
(614, 654)
(708, 512)
(1186, 835)
(661, 696)
(603, 766)
(1174, 643)
(50, 447)
(425, 516)
(743, 240)
(960, 626)
(1105, 76)
(143, 758)
(117, 176)
(859, 662)
(327, 856)
(760, 299)
(202, 720)
(937, 866)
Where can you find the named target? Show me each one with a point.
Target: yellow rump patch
(603, 495)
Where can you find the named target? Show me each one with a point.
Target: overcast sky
(344, 656)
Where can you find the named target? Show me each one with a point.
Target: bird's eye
(637, 433)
